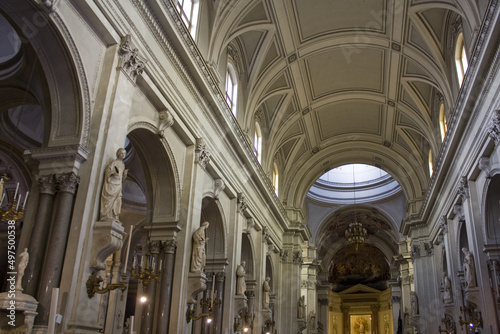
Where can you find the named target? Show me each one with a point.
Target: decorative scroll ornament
(463, 188)
(494, 127)
(219, 186)
(130, 61)
(242, 203)
(166, 121)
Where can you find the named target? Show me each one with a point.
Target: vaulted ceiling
(337, 82)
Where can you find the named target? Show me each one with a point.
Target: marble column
(167, 274)
(39, 233)
(375, 309)
(347, 325)
(219, 297)
(52, 267)
(148, 310)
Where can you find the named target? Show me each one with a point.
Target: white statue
(23, 262)
(241, 285)
(198, 257)
(111, 195)
(469, 270)
(447, 289)
(267, 288)
(301, 307)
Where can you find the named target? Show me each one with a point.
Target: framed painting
(361, 324)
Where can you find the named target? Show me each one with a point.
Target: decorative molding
(250, 224)
(130, 61)
(396, 299)
(202, 153)
(429, 248)
(443, 224)
(219, 186)
(415, 251)
(154, 246)
(166, 121)
(449, 324)
(484, 164)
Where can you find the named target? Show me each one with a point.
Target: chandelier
(356, 233)
(12, 210)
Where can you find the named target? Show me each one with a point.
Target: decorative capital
(130, 60)
(166, 121)
(415, 252)
(429, 248)
(170, 246)
(242, 203)
(459, 211)
(297, 258)
(220, 277)
(323, 301)
(154, 247)
(202, 154)
(68, 182)
(47, 184)
(396, 299)
(219, 186)
(284, 255)
(494, 127)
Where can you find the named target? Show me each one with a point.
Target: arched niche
(462, 242)
(151, 168)
(492, 210)
(216, 244)
(247, 256)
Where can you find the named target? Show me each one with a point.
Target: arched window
(257, 142)
(461, 58)
(442, 121)
(231, 88)
(431, 166)
(275, 178)
(188, 10)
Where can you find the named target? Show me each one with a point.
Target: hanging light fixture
(356, 233)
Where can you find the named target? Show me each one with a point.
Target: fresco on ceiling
(368, 266)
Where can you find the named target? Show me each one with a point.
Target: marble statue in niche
(266, 287)
(469, 269)
(111, 195)
(198, 256)
(241, 285)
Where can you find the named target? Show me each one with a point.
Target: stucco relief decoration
(166, 120)
(463, 188)
(202, 154)
(219, 187)
(242, 203)
(443, 224)
(297, 257)
(415, 252)
(494, 127)
(130, 60)
(284, 255)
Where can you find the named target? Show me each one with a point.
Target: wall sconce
(95, 281)
(449, 325)
(268, 327)
(245, 322)
(469, 312)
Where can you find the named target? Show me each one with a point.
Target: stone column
(347, 324)
(219, 298)
(148, 310)
(167, 274)
(375, 309)
(39, 233)
(52, 267)
(323, 312)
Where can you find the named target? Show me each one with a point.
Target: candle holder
(470, 313)
(12, 212)
(245, 322)
(147, 274)
(95, 281)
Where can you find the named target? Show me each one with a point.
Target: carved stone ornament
(494, 127)
(130, 60)
(107, 239)
(415, 252)
(68, 182)
(219, 186)
(250, 224)
(459, 211)
(202, 154)
(463, 188)
(242, 203)
(443, 224)
(414, 303)
(170, 246)
(484, 165)
(297, 258)
(47, 184)
(396, 299)
(284, 255)
(448, 323)
(154, 247)
(166, 121)
(428, 247)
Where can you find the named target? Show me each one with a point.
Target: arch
(247, 255)
(65, 95)
(159, 177)
(211, 211)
